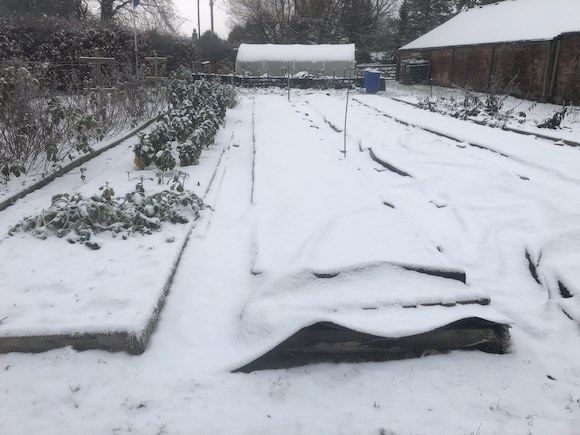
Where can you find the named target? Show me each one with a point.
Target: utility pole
(135, 4)
(211, 2)
(198, 21)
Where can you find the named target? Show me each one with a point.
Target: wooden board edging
(137, 343)
(114, 341)
(134, 343)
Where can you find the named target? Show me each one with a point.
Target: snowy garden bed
(328, 249)
(80, 292)
(106, 298)
(104, 253)
(560, 123)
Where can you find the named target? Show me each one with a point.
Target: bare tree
(151, 14)
(312, 21)
(363, 20)
(269, 19)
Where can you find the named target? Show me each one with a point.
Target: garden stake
(350, 71)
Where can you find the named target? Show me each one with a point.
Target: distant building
(272, 59)
(532, 45)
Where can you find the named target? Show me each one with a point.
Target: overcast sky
(187, 9)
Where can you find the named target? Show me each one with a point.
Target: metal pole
(198, 22)
(346, 111)
(98, 69)
(288, 71)
(211, 13)
(155, 66)
(136, 48)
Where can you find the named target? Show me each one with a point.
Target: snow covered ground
(116, 288)
(285, 203)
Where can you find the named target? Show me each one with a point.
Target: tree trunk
(106, 10)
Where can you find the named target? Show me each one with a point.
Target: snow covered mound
(328, 249)
(379, 299)
(323, 220)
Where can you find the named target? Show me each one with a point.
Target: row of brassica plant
(197, 109)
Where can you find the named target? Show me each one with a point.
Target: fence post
(98, 61)
(156, 61)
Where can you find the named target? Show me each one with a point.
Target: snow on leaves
(196, 111)
(79, 218)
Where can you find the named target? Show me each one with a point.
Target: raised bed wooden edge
(326, 342)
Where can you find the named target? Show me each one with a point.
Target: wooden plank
(97, 59)
(102, 89)
(114, 342)
(153, 79)
(458, 275)
(387, 165)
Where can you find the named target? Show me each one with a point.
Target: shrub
(41, 128)
(556, 119)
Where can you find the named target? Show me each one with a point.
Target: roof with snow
(295, 52)
(507, 21)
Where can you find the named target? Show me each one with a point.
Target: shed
(271, 59)
(533, 45)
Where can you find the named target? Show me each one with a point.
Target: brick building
(531, 47)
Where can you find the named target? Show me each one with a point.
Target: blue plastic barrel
(372, 80)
